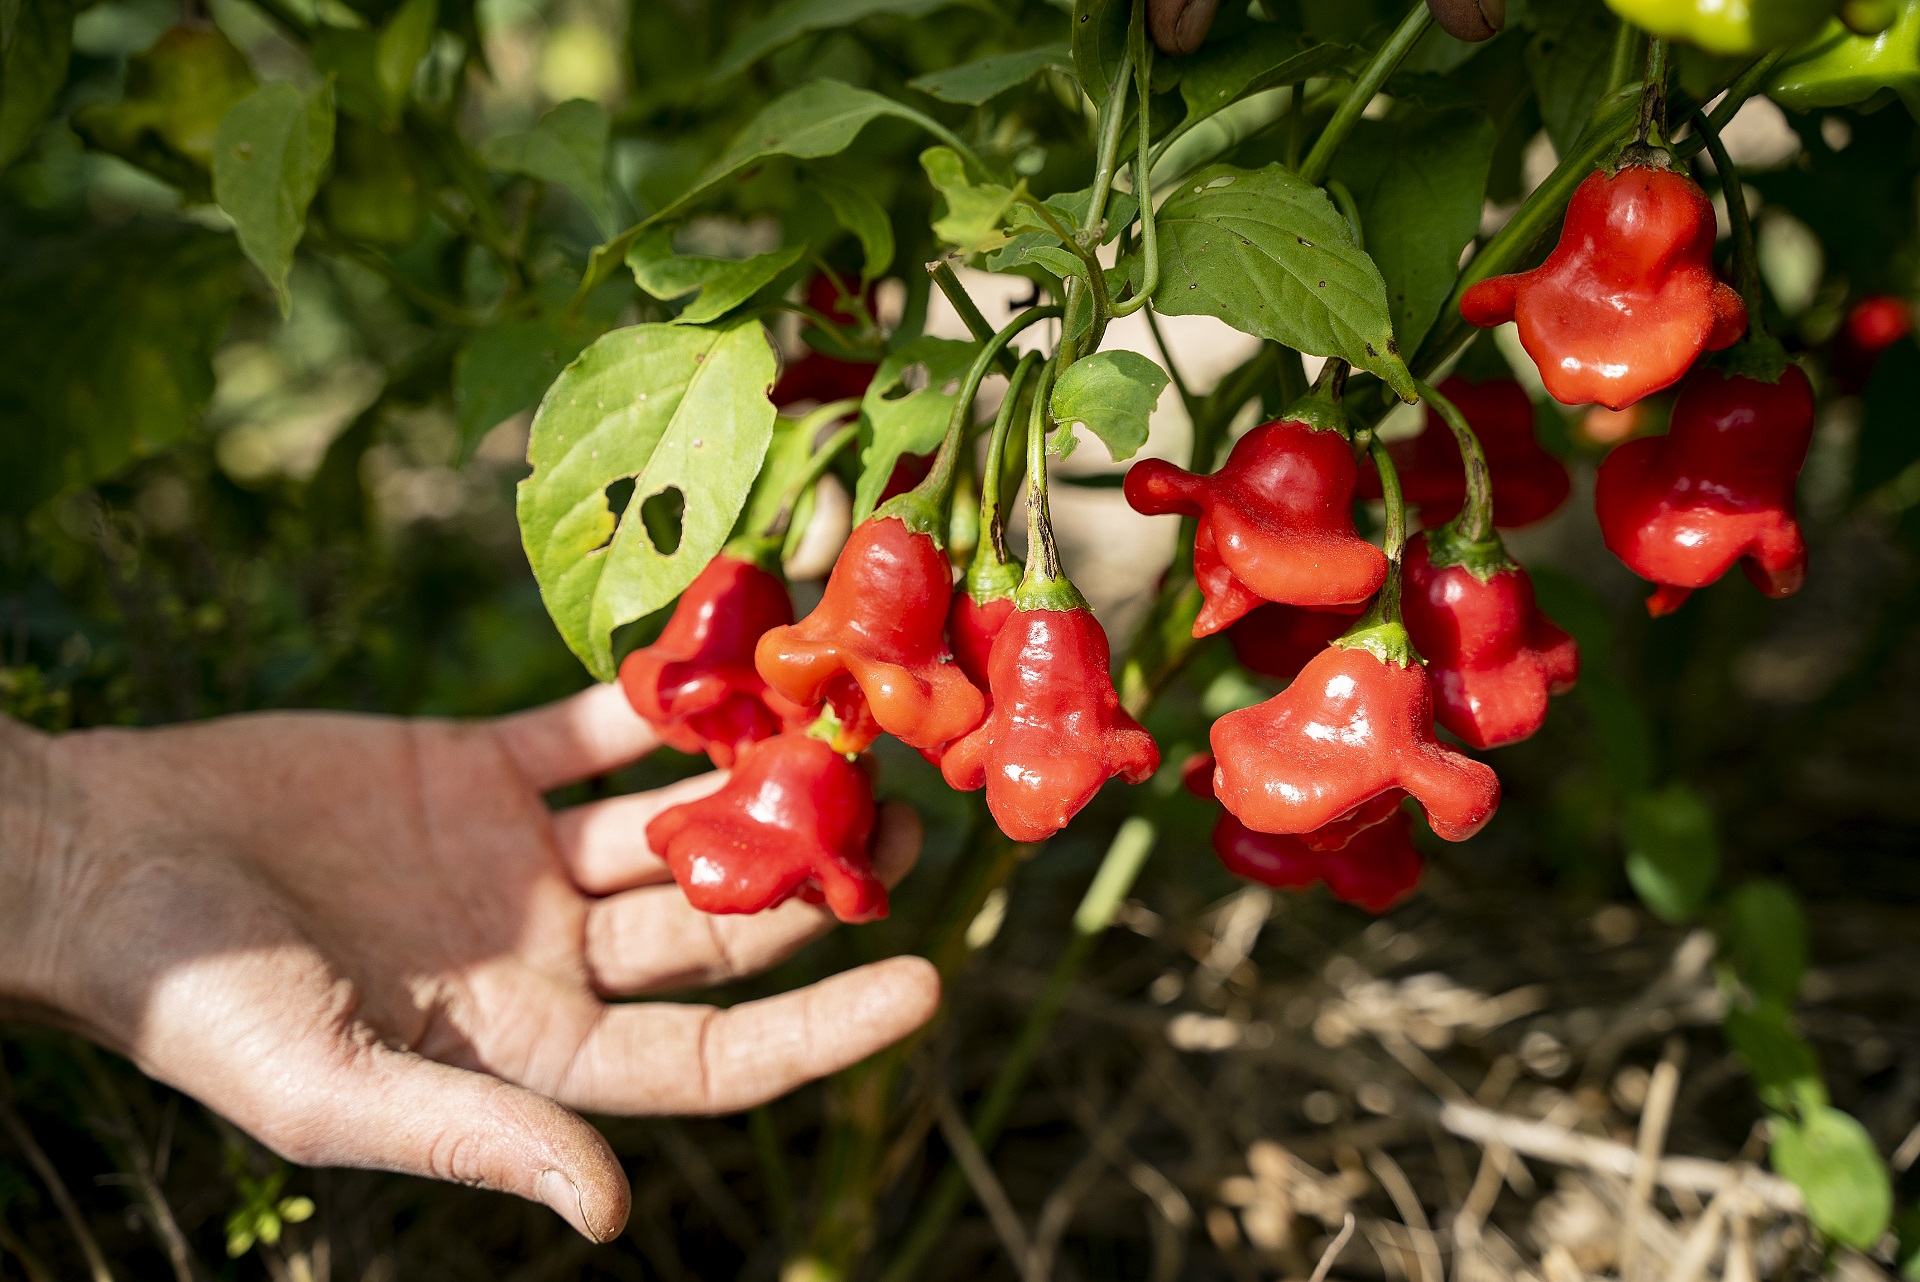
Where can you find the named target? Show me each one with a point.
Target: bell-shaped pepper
(1356, 722)
(1278, 640)
(1838, 68)
(1492, 656)
(696, 685)
(794, 819)
(1374, 871)
(1680, 509)
(1056, 731)
(1224, 600)
(1529, 484)
(1280, 517)
(1747, 27)
(1627, 300)
(882, 622)
(1873, 324)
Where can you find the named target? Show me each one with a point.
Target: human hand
(368, 942)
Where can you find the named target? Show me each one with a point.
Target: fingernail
(554, 1189)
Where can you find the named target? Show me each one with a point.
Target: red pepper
(1280, 517)
(1680, 509)
(971, 629)
(696, 685)
(1872, 326)
(881, 622)
(1056, 730)
(794, 819)
(1353, 725)
(1277, 640)
(1627, 300)
(1529, 484)
(1492, 656)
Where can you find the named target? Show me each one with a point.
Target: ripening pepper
(1529, 484)
(1278, 640)
(1492, 656)
(1680, 509)
(794, 819)
(1838, 68)
(881, 622)
(1873, 324)
(1353, 725)
(1280, 517)
(1740, 27)
(1056, 731)
(1374, 871)
(1627, 300)
(696, 685)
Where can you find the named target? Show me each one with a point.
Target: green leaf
(33, 68)
(1039, 245)
(1830, 1157)
(567, 148)
(1673, 850)
(1112, 394)
(1099, 44)
(896, 420)
(506, 368)
(273, 147)
(1767, 937)
(109, 341)
(168, 118)
(975, 82)
(404, 41)
(972, 221)
(1270, 255)
(1785, 1072)
(795, 18)
(865, 217)
(1568, 61)
(673, 407)
(723, 283)
(1264, 57)
(1420, 181)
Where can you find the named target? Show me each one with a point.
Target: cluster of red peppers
(1005, 684)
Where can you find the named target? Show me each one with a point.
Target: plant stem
(1143, 178)
(993, 521)
(1044, 586)
(1115, 877)
(1626, 50)
(1349, 209)
(1112, 115)
(1395, 542)
(934, 487)
(1372, 76)
(56, 1187)
(969, 311)
(1653, 96)
(1476, 517)
(816, 466)
(1746, 263)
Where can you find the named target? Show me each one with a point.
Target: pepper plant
(704, 297)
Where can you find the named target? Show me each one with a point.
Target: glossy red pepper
(1280, 517)
(1627, 300)
(882, 623)
(1352, 726)
(794, 819)
(1680, 509)
(1278, 640)
(696, 684)
(972, 627)
(1529, 484)
(1056, 731)
(1492, 656)
(1872, 326)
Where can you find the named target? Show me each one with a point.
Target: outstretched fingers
(659, 1058)
(575, 738)
(604, 843)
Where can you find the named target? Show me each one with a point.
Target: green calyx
(1450, 545)
(922, 509)
(1323, 409)
(1759, 356)
(759, 550)
(830, 730)
(990, 580)
(1385, 641)
(1055, 592)
(1640, 154)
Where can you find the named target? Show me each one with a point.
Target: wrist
(27, 836)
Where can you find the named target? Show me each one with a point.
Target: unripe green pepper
(1837, 68)
(1727, 26)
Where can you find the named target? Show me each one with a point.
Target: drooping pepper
(1627, 300)
(1056, 731)
(1873, 324)
(1838, 68)
(795, 818)
(1279, 516)
(993, 577)
(1356, 723)
(1745, 27)
(1529, 484)
(1277, 640)
(1680, 509)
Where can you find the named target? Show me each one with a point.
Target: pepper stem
(1469, 539)
(922, 507)
(990, 568)
(1746, 263)
(1365, 86)
(762, 547)
(1379, 631)
(1653, 97)
(1142, 54)
(1044, 586)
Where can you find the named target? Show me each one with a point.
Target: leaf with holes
(1269, 254)
(674, 408)
(723, 283)
(975, 82)
(865, 217)
(267, 161)
(1112, 394)
(897, 417)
